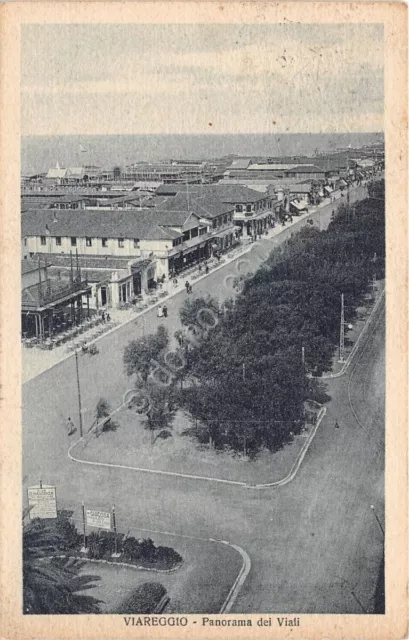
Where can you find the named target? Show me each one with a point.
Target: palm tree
(51, 584)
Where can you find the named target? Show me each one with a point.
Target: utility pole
(342, 332)
(245, 424)
(79, 392)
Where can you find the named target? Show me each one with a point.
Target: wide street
(314, 544)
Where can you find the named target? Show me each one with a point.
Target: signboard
(43, 502)
(99, 519)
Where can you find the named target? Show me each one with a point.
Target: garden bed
(133, 553)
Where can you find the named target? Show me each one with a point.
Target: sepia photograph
(204, 278)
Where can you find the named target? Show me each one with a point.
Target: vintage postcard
(203, 320)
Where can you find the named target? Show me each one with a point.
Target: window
(239, 208)
(219, 221)
(88, 242)
(248, 208)
(58, 241)
(231, 217)
(121, 243)
(43, 240)
(202, 231)
(73, 242)
(214, 223)
(25, 242)
(136, 243)
(104, 242)
(186, 236)
(225, 219)
(194, 232)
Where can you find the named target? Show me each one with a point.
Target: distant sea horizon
(39, 153)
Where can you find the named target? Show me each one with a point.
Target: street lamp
(342, 332)
(79, 393)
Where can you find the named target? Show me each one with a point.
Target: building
(47, 303)
(83, 175)
(170, 240)
(211, 211)
(230, 210)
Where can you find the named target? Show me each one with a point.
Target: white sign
(100, 519)
(43, 502)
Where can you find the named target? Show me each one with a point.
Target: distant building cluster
(109, 236)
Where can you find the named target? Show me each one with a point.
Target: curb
(120, 564)
(244, 569)
(278, 483)
(240, 580)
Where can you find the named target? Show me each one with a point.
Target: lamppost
(342, 332)
(79, 393)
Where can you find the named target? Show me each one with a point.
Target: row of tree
(241, 369)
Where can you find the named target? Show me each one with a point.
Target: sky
(201, 78)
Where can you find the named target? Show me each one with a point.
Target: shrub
(132, 549)
(168, 556)
(144, 599)
(102, 544)
(71, 539)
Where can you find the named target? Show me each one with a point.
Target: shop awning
(342, 183)
(185, 252)
(328, 189)
(264, 215)
(300, 204)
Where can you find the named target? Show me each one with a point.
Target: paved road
(308, 541)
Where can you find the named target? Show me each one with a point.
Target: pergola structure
(44, 302)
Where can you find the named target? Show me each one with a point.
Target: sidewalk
(35, 361)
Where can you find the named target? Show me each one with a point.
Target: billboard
(99, 519)
(42, 501)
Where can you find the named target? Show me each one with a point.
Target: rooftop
(28, 265)
(94, 223)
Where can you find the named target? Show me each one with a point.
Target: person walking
(207, 269)
(103, 316)
(336, 424)
(70, 427)
(165, 311)
(108, 317)
(187, 285)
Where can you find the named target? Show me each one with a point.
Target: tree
(139, 355)
(246, 382)
(200, 314)
(161, 409)
(51, 585)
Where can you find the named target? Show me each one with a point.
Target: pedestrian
(108, 317)
(165, 311)
(70, 427)
(207, 269)
(103, 316)
(336, 424)
(175, 282)
(200, 268)
(187, 285)
(160, 311)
